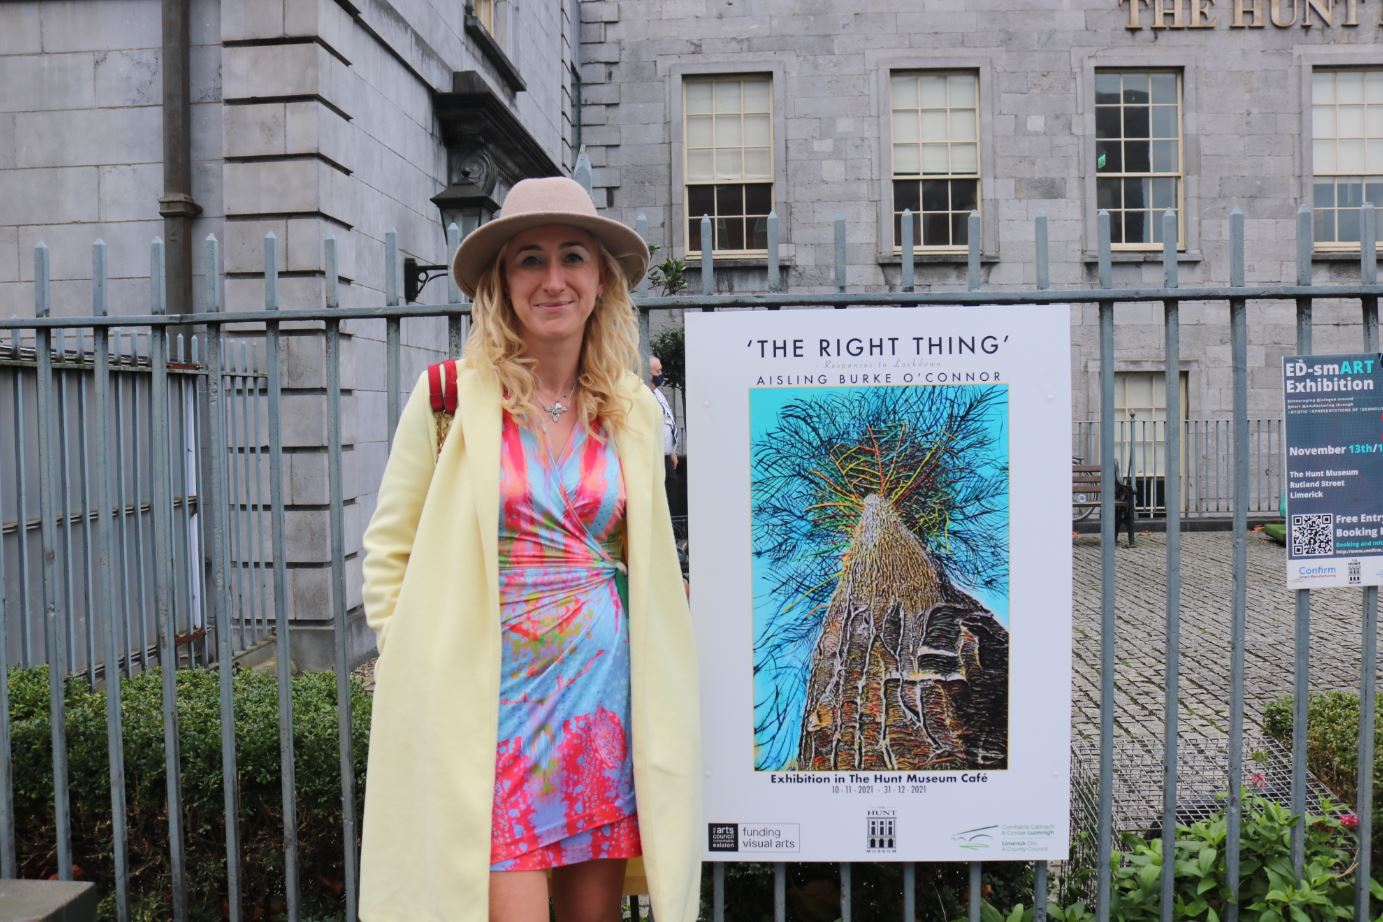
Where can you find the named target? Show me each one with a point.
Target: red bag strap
(441, 387)
(449, 391)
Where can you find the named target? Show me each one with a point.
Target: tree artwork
(881, 553)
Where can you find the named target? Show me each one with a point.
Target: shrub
(1332, 747)
(260, 813)
(670, 347)
(1269, 890)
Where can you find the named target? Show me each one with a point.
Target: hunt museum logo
(882, 830)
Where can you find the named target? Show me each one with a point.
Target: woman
(535, 719)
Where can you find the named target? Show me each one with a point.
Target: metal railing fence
(1207, 475)
(81, 457)
(216, 532)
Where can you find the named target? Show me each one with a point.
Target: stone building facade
(1059, 107)
(303, 118)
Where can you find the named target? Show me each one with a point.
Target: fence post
(1171, 471)
(217, 511)
(391, 330)
(1368, 275)
(283, 647)
(338, 539)
(1108, 536)
(1238, 323)
(53, 600)
(115, 736)
(161, 511)
(1301, 684)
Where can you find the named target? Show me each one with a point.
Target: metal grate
(1137, 795)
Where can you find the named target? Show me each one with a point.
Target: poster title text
(883, 346)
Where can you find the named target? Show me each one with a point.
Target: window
(1138, 155)
(1346, 152)
(729, 162)
(936, 156)
(484, 10)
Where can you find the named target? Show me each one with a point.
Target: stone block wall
(1243, 124)
(81, 144)
(309, 118)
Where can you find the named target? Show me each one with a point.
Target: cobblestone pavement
(1207, 585)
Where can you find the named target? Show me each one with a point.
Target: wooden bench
(1085, 495)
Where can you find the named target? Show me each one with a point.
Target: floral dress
(564, 783)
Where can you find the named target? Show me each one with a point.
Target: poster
(881, 581)
(1333, 416)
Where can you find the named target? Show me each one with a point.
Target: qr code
(1313, 535)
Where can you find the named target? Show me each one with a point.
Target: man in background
(671, 443)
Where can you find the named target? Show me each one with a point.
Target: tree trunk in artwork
(909, 672)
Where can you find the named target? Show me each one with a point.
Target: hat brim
(478, 251)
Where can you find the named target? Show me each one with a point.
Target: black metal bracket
(416, 275)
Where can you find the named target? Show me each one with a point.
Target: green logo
(975, 840)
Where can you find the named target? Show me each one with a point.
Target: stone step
(47, 901)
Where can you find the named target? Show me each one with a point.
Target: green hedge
(260, 813)
(1332, 748)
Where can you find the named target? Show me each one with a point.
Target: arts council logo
(723, 837)
(975, 840)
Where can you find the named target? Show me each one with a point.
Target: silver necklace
(559, 406)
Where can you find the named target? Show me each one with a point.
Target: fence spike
(1368, 244)
(333, 292)
(1169, 249)
(641, 228)
(582, 172)
(840, 251)
(1040, 254)
(972, 250)
(908, 248)
(775, 280)
(708, 269)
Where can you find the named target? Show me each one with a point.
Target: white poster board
(880, 546)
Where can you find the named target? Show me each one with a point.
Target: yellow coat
(432, 597)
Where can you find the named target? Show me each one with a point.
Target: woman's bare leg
(518, 896)
(589, 891)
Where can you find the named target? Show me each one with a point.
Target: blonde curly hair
(609, 347)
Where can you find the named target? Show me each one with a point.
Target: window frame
(921, 176)
(981, 62)
(1133, 59)
(745, 252)
(1180, 174)
(1309, 150)
(700, 66)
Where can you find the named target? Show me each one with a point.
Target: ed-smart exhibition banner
(1333, 415)
(880, 541)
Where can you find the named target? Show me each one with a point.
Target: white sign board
(881, 581)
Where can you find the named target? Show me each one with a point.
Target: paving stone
(1206, 593)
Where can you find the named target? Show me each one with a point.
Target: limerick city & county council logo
(975, 840)
(883, 830)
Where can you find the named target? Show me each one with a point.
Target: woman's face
(553, 275)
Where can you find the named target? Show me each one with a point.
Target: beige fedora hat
(534, 202)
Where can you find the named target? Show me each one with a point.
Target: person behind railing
(535, 713)
(672, 442)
